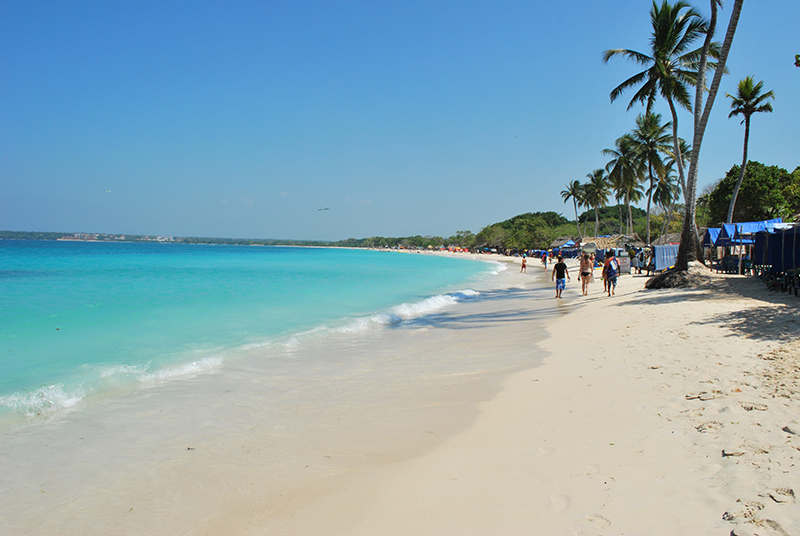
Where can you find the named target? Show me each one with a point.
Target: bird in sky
(321, 209)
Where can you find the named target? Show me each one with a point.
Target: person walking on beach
(560, 275)
(524, 268)
(611, 270)
(544, 260)
(586, 269)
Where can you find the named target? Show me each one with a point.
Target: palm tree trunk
(596, 221)
(619, 206)
(676, 146)
(690, 240)
(729, 218)
(669, 217)
(649, 198)
(575, 202)
(629, 226)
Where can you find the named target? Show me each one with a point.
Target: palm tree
(690, 248)
(651, 140)
(672, 65)
(665, 193)
(625, 169)
(748, 100)
(597, 190)
(618, 188)
(575, 192)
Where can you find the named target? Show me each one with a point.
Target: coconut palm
(575, 192)
(651, 139)
(748, 100)
(625, 169)
(690, 248)
(665, 193)
(672, 65)
(596, 194)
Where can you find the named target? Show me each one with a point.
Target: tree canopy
(766, 192)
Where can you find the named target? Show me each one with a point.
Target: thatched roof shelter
(560, 241)
(614, 241)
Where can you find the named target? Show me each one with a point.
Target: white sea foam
(44, 400)
(499, 268)
(291, 344)
(125, 369)
(407, 311)
(207, 364)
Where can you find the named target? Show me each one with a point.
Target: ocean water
(81, 319)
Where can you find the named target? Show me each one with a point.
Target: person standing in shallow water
(560, 275)
(524, 268)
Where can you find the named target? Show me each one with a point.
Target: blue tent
(709, 239)
(737, 234)
(783, 249)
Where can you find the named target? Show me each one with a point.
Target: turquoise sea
(79, 319)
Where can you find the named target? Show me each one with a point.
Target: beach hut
(561, 242)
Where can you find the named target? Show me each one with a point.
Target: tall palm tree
(652, 140)
(625, 169)
(748, 100)
(617, 185)
(597, 191)
(665, 193)
(690, 248)
(672, 65)
(575, 192)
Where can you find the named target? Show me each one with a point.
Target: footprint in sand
(750, 406)
(599, 520)
(542, 452)
(743, 513)
(560, 502)
(709, 427)
(702, 395)
(781, 495)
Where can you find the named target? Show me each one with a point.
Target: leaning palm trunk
(676, 145)
(575, 202)
(649, 199)
(630, 214)
(669, 217)
(729, 219)
(689, 249)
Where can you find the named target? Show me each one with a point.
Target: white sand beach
(651, 412)
(654, 412)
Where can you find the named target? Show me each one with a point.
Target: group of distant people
(560, 274)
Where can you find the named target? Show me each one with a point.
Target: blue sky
(242, 119)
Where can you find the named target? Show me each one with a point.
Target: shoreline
(677, 417)
(509, 413)
(216, 448)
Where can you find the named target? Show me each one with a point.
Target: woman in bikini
(586, 273)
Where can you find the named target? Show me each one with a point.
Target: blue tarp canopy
(710, 238)
(733, 234)
(665, 256)
(569, 244)
(782, 249)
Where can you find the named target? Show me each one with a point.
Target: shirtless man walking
(560, 275)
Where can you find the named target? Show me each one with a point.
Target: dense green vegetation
(766, 192)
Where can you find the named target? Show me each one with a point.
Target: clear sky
(242, 119)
